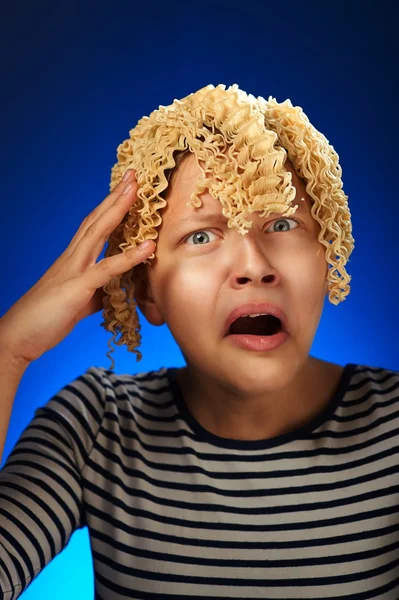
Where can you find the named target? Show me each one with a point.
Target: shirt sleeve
(41, 491)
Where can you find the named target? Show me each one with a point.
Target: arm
(11, 373)
(41, 483)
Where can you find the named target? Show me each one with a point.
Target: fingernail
(144, 245)
(128, 174)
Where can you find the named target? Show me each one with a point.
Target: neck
(231, 416)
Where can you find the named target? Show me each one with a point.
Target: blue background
(77, 76)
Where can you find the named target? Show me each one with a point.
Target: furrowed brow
(198, 219)
(204, 218)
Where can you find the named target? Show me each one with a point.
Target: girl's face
(203, 270)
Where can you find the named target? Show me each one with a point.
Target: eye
(279, 226)
(199, 236)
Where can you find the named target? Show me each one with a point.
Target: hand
(71, 289)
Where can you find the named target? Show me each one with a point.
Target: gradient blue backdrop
(76, 77)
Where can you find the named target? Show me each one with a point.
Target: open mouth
(264, 325)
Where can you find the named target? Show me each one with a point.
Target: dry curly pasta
(243, 143)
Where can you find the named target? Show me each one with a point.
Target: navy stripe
(174, 511)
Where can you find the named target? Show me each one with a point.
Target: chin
(265, 374)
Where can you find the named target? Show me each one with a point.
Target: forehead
(184, 182)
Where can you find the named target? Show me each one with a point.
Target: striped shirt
(174, 511)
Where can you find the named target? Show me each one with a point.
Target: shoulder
(131, 387)
(150, 379)
(376, 387)
(358, 375)
(98, 390)
(377, 377)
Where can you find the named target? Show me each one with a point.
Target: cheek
(189, 291)
(305, 256)
(313, 264)
(195, 281)
(186, 285)
(304, 275)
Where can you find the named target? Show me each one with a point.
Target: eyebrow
(198, 219)
(203, 218)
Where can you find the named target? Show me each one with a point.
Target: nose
(265, 279)
(252, 263)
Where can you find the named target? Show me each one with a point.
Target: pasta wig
(243, 143)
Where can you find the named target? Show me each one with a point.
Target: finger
(101, 208)
(96, 303)
(104, 205)
(102, 272)
(92, 241)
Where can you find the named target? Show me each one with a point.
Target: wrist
(9, 352)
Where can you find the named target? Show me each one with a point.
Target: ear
(144, 296)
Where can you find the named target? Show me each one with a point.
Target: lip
(253, 308)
